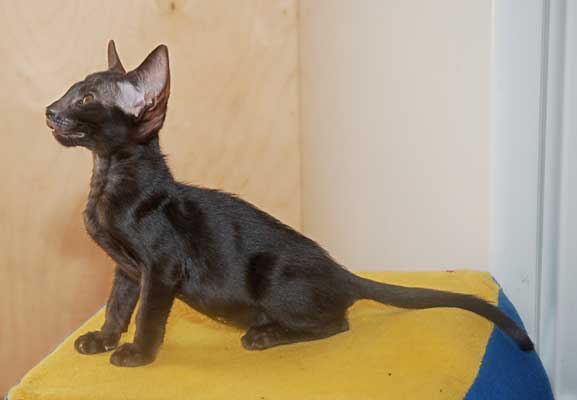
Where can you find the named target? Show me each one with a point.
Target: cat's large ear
(114, 63)
(152, 83)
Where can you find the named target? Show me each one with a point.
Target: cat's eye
(87, 99)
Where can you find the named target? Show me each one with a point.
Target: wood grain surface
(232, 124)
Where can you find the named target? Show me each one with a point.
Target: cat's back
(241, 220)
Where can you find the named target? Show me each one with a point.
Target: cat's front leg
(156, 298)
(119, 308)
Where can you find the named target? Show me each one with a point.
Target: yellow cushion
(389, 353)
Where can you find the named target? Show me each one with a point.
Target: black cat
(214, 251)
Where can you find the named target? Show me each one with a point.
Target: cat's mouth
(61, 132)
(68, 135)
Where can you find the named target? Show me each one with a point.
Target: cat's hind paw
(130, 355)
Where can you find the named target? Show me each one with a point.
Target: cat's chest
(102, 224)
(98, 221)
(104, 209)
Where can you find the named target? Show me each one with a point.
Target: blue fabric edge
(507, 372)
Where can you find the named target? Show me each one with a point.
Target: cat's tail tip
(521, 338)
(526, 344)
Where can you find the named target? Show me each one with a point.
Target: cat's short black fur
(214, 251)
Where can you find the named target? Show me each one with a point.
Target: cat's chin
(68, 139)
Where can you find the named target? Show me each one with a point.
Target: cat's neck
(128, 171)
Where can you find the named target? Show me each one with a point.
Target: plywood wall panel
(232, 124)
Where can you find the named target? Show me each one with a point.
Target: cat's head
(113, 109)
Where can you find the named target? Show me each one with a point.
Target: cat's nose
(50, 113)
(51, 117)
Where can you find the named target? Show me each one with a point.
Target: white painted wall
(396, 111)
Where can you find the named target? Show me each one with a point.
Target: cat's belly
(227, 311)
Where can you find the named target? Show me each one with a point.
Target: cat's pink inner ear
(114, 63)
(129, 98)
(151, 84)
(153, 76)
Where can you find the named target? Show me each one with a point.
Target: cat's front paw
(130, 355)
(96, 342)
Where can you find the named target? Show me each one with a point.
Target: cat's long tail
(419, 298)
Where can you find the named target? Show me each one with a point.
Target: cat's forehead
(112, 88)
(102, 78)
(105, 84)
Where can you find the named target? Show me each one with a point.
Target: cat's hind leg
(260, 337)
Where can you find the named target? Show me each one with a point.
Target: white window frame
(534, 230)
